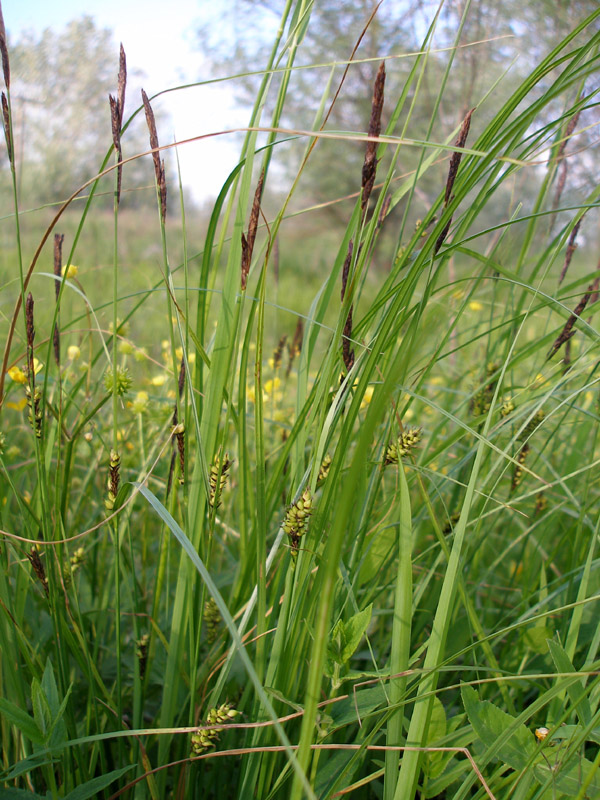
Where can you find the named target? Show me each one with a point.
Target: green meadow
(300, 498)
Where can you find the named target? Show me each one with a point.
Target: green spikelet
(507, 407)
(124, 380)
(518, 471)
(295, 523)
(113, 480)
(72, 565)
(408, 439)
(141, 652)
(532, 425)
(217, 479)
(212, 618)
(35, 414)
(207, 739)
(324, 469)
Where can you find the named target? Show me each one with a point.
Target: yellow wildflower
(19, 406)
(475, 306)
(17, 375)
(367, 397)
(159, 380)
(70, 271)
(73, 352)
(272, 385)
(139, 405)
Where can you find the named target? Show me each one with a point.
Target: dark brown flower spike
(346, 268)
(457, 156)
(38, 567)
(6, 123)
(58, 241)
(159, 166)
(296, 345)
(4, 52)
(347, 352)
(121, 84)
(248, 241)
(564, 165)
(369, 169)
(30, 332)
(178, 432)
(452, 172)
(568, 331)
(571, 247)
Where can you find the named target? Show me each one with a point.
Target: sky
(161, 44)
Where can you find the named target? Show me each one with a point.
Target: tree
(397, 28)
(61, 117)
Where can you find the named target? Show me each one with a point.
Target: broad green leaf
(492, 726)
(355, 629)
(96, 785)
(21, 720)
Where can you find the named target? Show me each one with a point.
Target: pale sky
(159, 40)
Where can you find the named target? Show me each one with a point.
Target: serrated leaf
(575, 689)
(21, 720)
(96, 785)
(491, 725)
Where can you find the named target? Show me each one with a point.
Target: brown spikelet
(180, 437)
(6, 124)
(121, 84)
(58, 242)
(347, 352)
(563, 168)
(346, 268)
(38, 567)
(116, 133)
(277, 353)
(117, 105)
(30, 332)
(384, 210)
(440, 240)
(369, 169)
(4, 52)
(452, 172)
(296, 345)
(571, 247)
(159, 166)
(456, 157)
(568, 331)
(568, 133)
(178, 433)
(248, 241)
